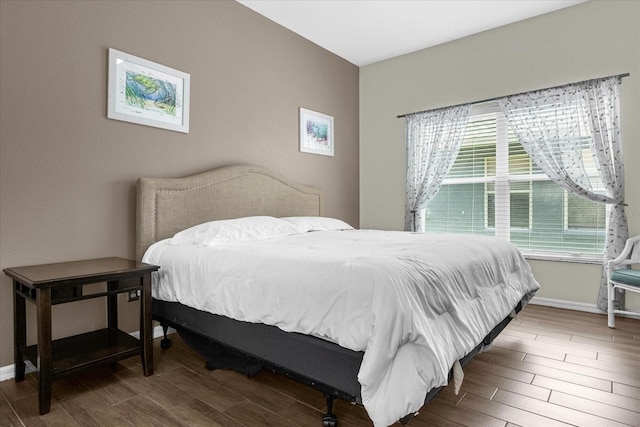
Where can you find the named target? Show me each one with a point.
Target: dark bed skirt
(313, 361)
(321, 364)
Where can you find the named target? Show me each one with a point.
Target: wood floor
(550, 367)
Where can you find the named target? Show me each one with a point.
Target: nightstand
(49, 284)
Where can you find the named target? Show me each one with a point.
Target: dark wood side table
(49, 284)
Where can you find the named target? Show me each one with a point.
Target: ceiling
(368, 31)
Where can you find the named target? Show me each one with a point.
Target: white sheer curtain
(564, 127)
(433, 140)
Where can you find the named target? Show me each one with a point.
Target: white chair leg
(611, 317)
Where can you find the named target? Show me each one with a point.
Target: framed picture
(147, 93)
(316, 132)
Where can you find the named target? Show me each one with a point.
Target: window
(494, 188)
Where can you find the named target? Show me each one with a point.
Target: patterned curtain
(555, 126)
(433, 140)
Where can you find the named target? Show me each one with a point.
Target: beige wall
(593, 39)
(67, 175)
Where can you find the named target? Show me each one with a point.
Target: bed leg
(329, 419)
(165, 343)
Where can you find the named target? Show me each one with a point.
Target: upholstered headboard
(168, 205)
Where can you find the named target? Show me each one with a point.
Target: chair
(619, 275)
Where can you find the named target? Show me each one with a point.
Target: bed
(296, 321)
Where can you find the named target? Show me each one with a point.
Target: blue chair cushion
(629, 277)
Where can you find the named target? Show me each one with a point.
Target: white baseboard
(8, 372)
(579, 306)
(157, 332)
(568, 305)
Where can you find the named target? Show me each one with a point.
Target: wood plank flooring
(549, 367)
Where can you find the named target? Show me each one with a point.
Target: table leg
(45, 361)
(19, 331)
(146, 334)
(112, 306)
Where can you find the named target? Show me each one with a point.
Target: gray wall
(67, 175)
(592, 39)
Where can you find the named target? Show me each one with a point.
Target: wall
(67, 174)
(593, 39)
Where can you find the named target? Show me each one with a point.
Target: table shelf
(87, 350)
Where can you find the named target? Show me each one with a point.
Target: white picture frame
(146, 93)
(316, 132)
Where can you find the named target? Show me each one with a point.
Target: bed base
(323, 365)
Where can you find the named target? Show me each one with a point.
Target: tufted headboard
(168, 205)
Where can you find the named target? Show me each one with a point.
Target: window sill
(559, 257)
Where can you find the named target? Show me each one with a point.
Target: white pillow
(233, 231)
(317, 223)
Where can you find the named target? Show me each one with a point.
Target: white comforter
(415, 303)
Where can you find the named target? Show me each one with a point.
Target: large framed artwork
(147, 93)
(316, 132)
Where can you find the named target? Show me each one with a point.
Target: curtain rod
(619, 76)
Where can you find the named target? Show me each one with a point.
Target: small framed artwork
(316, 132)
(147, 93)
